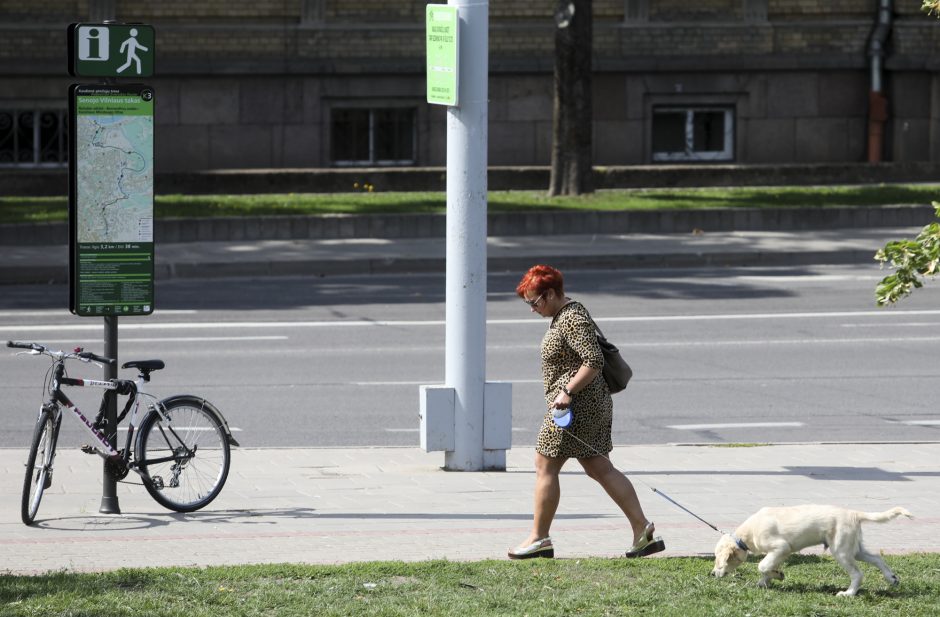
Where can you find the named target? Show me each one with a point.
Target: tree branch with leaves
(912, 260)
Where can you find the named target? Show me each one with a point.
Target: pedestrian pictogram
(111, 50)
(132, 46)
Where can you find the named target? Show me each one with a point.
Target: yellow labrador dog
(779, 532)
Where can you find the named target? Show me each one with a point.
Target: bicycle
(183, 445)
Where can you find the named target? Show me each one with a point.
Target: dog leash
(564, 420)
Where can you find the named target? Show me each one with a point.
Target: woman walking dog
(571, 371)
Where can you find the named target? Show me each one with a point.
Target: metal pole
(109, 498)
(465, 356)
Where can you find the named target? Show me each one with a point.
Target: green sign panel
(111, 200)
(442, 56)
(111, 50)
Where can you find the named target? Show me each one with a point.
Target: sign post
(111, 248)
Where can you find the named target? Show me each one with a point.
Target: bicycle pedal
(88, 449)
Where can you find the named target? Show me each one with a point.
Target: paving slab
(328, 505)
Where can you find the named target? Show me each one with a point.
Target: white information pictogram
(93, 44)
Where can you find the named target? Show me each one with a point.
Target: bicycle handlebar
(85, 356)
(20, 345)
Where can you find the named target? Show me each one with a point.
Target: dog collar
(740, 543)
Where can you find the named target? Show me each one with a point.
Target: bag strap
(598, 328)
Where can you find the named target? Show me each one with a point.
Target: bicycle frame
(103, 445)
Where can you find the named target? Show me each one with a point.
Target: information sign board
(111, 50)
(442, 53)
(111, 200)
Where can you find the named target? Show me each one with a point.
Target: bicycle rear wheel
(185, 458)
(38, 465)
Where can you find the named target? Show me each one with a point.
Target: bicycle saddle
(145, 365)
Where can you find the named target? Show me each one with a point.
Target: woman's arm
(578, 382)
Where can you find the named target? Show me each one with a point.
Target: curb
(393, 226)
(55, 275)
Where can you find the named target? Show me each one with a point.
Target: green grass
(670, 586)
(44, 209)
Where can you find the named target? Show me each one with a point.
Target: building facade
(333, 83)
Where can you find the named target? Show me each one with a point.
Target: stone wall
(213, 36)
(250, 83)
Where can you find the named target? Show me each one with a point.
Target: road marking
(810, 341)
(426, 382)
(58, 312)
(419, 382)
(920, 422)
(705, 427)
(415, 430)
(364, 323)
(172, 339)
(810, 278)
(909, 324)
(182, 429)
(823, 315)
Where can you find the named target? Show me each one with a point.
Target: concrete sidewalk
(346, 505)
(49, 264)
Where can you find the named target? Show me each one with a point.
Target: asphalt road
(719, 355)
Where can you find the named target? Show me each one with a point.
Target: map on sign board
(114, 206)
(111, 200)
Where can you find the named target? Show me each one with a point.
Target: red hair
(540, 279)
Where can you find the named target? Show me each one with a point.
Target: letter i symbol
(93, 43)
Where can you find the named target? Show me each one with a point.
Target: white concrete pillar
(465, 358)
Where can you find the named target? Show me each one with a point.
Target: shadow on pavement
(291, 292)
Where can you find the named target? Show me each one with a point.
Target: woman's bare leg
(620, 490)
(547, 495)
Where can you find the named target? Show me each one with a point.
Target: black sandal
(647, 544)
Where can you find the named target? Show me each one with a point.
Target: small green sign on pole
(443, 59)
(111, 50)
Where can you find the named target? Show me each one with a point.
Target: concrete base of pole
(438, 430)
(494, 460)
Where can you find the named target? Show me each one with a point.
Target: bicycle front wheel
(38, 465)
(185, 457)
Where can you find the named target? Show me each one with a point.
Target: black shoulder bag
(617, 372)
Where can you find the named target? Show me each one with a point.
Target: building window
(366, 136)
(693, 134)
(33, 137)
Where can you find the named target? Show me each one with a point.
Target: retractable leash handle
(563, 419)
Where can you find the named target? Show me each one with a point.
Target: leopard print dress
(570, 342)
